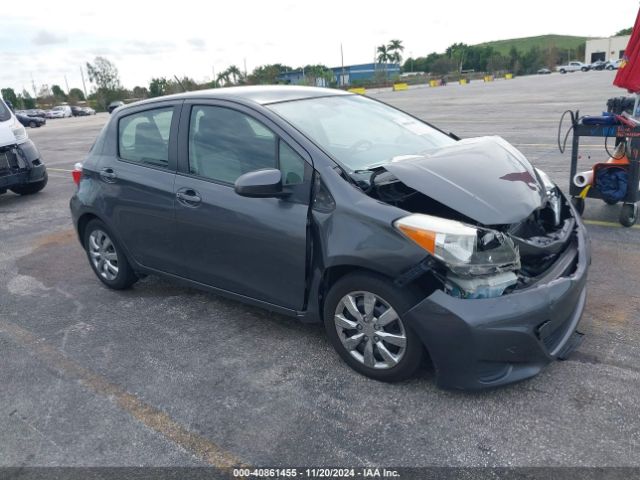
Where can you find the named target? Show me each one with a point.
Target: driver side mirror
(263, 183)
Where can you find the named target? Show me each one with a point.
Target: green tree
(76, 94)
(457, 52)
(140, 92)
(9, 95)
(384, 57)
(158, 87)
(58, 93)
(267, 74)
(395, 49)
(103, 74)
(27, 100)
(624, 31)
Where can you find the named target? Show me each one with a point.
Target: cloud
(44, 37)
(197, 43)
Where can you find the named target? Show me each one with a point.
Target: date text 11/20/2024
(315, 473)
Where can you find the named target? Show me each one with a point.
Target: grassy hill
(562, 42)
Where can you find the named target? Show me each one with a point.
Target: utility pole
(33, 86)
(66, 83)
(342, 82)
(245, 67)
(84, 86)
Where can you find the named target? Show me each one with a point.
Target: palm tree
(235, 73)
(384, 57)
(395, 49)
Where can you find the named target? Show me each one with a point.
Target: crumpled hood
(484, 178)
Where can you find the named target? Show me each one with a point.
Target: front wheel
(584, 69)
(106, 257)
(363, 317)
(562, 70)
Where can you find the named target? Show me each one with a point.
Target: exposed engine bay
(506, 256)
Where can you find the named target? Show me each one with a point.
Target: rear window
(144, 137)
(5, 113)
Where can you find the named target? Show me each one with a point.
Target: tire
(578, 204)
(33, 124)
(609, 202)
(609, 67)
(392, 359)
(106, 257)
(628, 214)
(584, 69)
(31, 188)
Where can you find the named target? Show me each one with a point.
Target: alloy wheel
(370, 330)
(103, 255)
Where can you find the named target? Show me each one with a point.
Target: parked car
(572, 66)
(21, 168)
(77, 111)
(113, 105)
(32, 122)
(88, 111)
(598, 65)
(61, 111)
(36, 112)
(544, 71)
(334, 207)
(613, 65)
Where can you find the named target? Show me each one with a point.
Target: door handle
(189, 197)
(108, 175)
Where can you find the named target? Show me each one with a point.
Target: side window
(144, 137)
(225, 143)
(291, 165)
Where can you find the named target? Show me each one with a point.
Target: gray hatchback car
(407, 242)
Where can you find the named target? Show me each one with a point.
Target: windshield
(358, 132)
(5, 114)
(58, 108)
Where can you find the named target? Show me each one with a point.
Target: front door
(255, 247)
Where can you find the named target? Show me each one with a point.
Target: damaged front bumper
(20, 169)
(481, 343)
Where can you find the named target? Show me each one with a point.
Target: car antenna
(180, 83)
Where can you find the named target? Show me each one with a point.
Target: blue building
(344, 75)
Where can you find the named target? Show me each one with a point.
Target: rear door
(256, 247)
(137, 183)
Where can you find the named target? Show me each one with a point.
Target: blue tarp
(612, 182)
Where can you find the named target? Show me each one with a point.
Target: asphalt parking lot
(165, 375)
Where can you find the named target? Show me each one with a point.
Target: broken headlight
(19, 131)
(464, 249)
(553, 195)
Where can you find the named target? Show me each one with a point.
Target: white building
(611, 48)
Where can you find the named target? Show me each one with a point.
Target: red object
(76, 174)
(628, 75)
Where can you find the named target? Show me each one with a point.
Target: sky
(47, 42)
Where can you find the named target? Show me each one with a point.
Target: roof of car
(263, 94)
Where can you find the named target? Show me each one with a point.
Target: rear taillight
(76, 173)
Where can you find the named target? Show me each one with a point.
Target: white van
(21, 168)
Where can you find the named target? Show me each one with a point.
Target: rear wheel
(31, 188)
(106, 257)
(364, 322)
(33, 124)
(562, 70)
